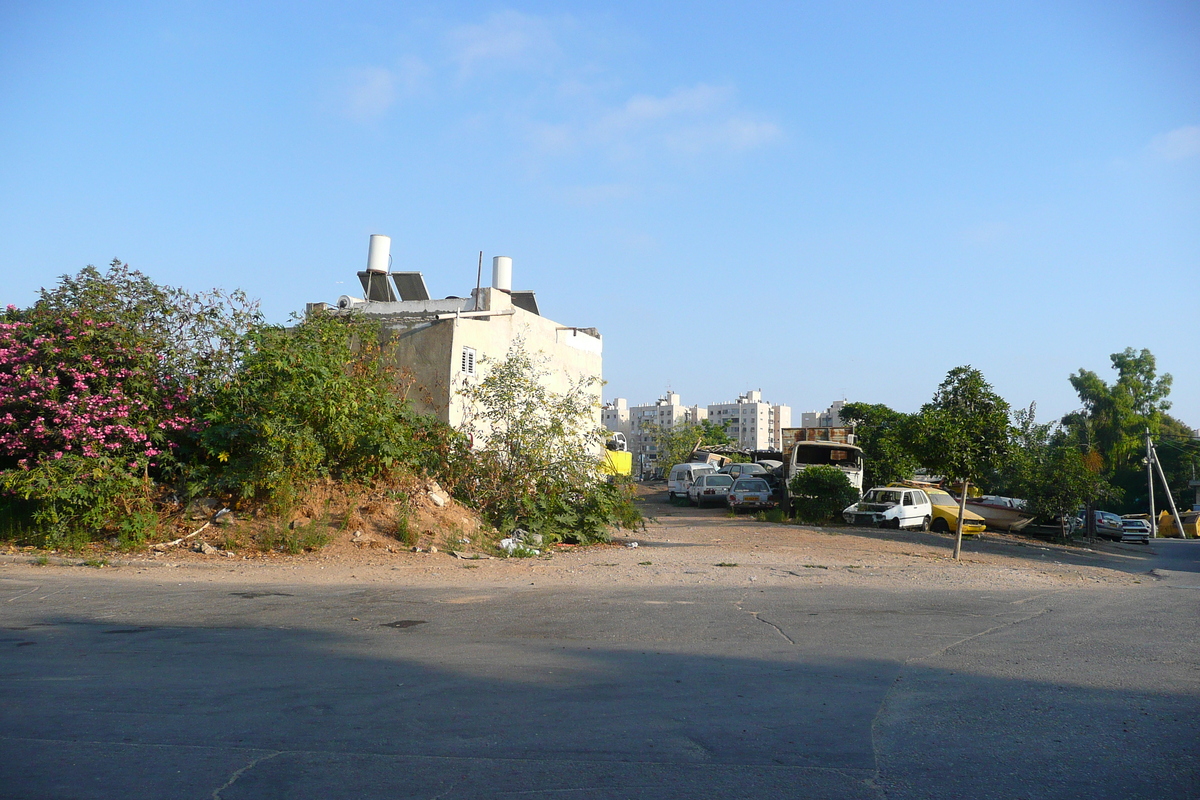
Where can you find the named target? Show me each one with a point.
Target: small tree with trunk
(963, 433)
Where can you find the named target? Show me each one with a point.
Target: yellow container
(616, 462)
(1167, 529)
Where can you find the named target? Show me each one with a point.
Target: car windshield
(750, 485)
(753, 469)
(718, 480)
(941, 498)
(883, 496)
(816, 454)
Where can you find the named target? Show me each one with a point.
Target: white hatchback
(891, 507)
(709, 489)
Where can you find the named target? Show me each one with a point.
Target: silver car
(709, 489)
(749, 493)
(1135, 530)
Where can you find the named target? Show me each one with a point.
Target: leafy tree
(1113, 421)
(194, 335)
(963, 433)
(819, 493)
(96, 382)
(1115, 416)
(536, 465)
(885, 437)
(675, 445)
(1056, 479)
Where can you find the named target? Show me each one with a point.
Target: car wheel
(695, 503)
(894, 524)
(670, 497)
(940, 526)
(925, 524)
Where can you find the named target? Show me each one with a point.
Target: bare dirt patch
(679, 546)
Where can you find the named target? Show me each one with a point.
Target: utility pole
(1167, 489)
(1150, 486)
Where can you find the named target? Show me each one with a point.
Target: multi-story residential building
(751, 422)
(829, 418)
(615, 416)
(640, 423)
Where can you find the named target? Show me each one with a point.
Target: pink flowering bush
(72, 386)
(96, 384)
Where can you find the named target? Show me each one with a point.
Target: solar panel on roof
(376, 287)
(410, 285)
(527, 301)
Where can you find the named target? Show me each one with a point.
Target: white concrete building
(751, 422)
(615, 416)
(640, 423)
(829, 418)
(442, 345)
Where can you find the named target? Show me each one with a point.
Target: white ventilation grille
(468, 360)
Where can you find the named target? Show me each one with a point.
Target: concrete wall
(429, 351)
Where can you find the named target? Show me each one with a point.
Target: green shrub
(536, 467)
(318, 400)
(405, 532)
(820, 493)
(70, 499)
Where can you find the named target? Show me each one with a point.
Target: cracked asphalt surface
(855, 665)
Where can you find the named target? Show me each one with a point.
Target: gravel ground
(680, 545)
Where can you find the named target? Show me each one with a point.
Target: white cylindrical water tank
(502, 273)
(379, 254)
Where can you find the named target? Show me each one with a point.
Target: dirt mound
(339, 520)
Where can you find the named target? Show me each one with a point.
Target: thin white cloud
(1177, 145)
(597, 194)
(370, 92)
(732, 135)
(687, 121)
(507, 39)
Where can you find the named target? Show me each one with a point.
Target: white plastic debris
(632, 545)
(511, 545)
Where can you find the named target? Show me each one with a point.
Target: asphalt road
(166, 685)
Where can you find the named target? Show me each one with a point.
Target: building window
(468, 360)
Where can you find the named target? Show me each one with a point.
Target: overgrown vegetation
(120, 400)
(538, 465)
(317, 400)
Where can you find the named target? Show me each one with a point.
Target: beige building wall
(442, 345)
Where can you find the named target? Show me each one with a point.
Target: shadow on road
(94, 710)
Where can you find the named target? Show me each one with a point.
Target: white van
(684, 475)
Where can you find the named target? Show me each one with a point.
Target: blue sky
(819, 200)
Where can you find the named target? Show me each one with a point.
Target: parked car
(744, 470)
(891, 507)
(1135, 530)
(945, 514)
(1108, 525)
(749, 493)
(709, 489)
(682, 476)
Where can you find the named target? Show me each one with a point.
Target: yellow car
(945, 514)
